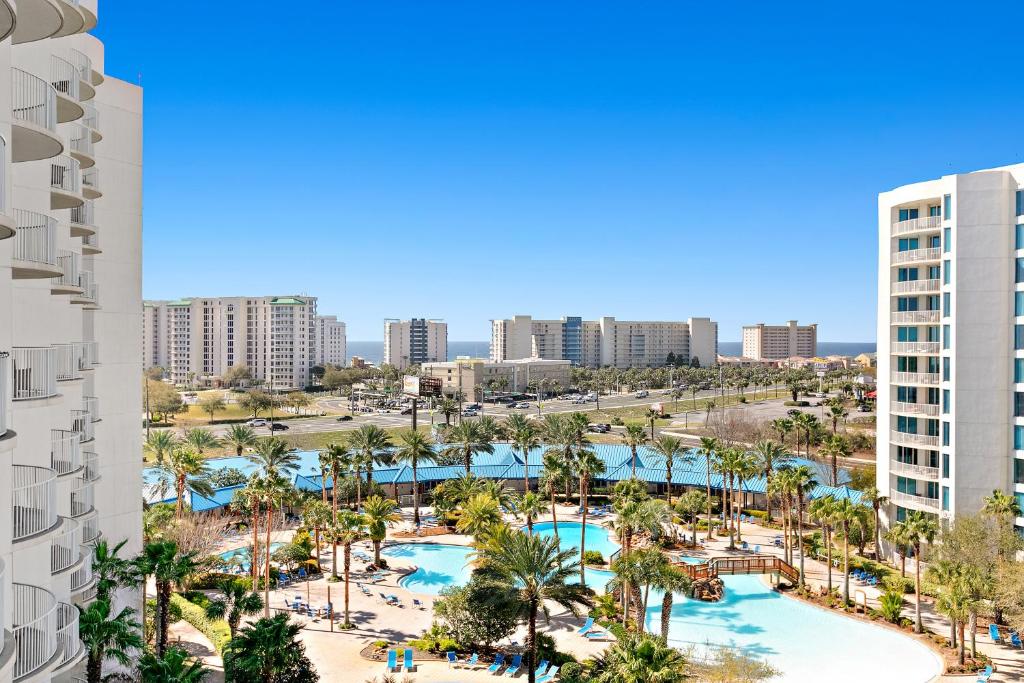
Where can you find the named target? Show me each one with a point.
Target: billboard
(421, 387)
(411, 385)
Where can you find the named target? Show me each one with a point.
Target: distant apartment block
(471, 376)
(199, 339)
(604, 342)
(770, 342)
(331, 347)
(415, 342)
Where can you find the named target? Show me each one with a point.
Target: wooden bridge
(733, 566)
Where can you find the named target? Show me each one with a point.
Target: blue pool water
(438, 565)
(597, 537)
(229, 555)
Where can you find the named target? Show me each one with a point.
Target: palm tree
(316, 515)
(1002, 506)
(806, 423)
(110, 570)
(899, 537)
(873, 497)
(670, 580)
(448, 406)
(233, 602)
(241, 437)
(333, 457)
(555, 471)
(639, 658)
(480, 514)
(823, 510)
(669, 447)
(845, 513)
(414, 447)
(728, 465)
(200, 439)
(781, 488)
(466, 439)
(782, 426)
(708, 447)
(369, 441)
(160, 443)
(921, 528)
(834, 448)
(167, 566)
(588, 466)
(346, 531)
(691, 504)
(107, 638)
(634, 437)
(173, 666)
(525, 438)
(531, 506)
(268, 651)
(274, 457)
(185, 468)
(535, 571)
(770, 455)
(379, 513)
(836, 412)
(802, 483)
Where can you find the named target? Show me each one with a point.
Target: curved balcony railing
(916, 255)
(67, 633)
(914, 501)
(69, 263)
(91, 244)
(909, 439)
(923, 224)
(90, 525)
(66, 546)
(91, 120)
(34, 372)
(88, 286)
(915, 286)
(5, 371)
(35, 628)
(82, 424)
(36, 238)
(90, 466)
(91, 183)
(83, 215)
(929, 409)
(914, 317)
(34, 493)
(64, 77)
(65, 174)
(931, 378)
(33, 100)
(914, 471)
(915, 347)
(82, 577)
(67, 363)
(82, 64)
(87, 355)
(91, 405)
(65, 451)
(83, 495)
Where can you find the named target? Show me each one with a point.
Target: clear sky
(471, 160)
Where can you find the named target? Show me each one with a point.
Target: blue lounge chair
(417, 604)
(409, 666)
(549, 676)
(757, 550)
(539, 671)
(453, 659)
(993, 632)
(589, 624)
(598, 635)
(513, 668)
(1015, 640)
(395, 600)
(473, 662)
(392, 661)
(985, 675)
(499, 661)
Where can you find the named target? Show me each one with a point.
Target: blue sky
(467, 160)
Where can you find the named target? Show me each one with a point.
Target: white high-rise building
(197, 340)
(331, 346)
(70, 304)
(951, 342)
(775, 342)
(414, 342)
(605, 342)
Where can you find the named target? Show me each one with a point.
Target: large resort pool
(802, 641)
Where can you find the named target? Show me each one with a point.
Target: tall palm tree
(640, 658)
(200, 440)
(531, 506)
(670, 580)
(769, 455)
(233, 602)
(921, 528)
(370, 441)
(898, 535)
(167, 566)
(536, 571)
(110, 570)
(346, 531)
(525, 438)
(448, 406)
(185, 468)
(555, 472)
(845, 513)
(106, 637)
(803, 483)
(173, 666)
(747, 467)
(334, 457)
(379, 513)
(873, 497)
(837, 412)
(1002, 506)
(273, 456)
(782, 427)
(414, 447)
(835, 447)
(728, 466)
(588, 466)
(806, 423)
(670, 447)
(708, 447)
(277, 463)
(634, 436)
(274, 490)
(241, 437)
(691, 504)
(316, 515)
(823, 510)
(159, 443)
(466, 440)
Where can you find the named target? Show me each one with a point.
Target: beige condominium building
(70, 303)
(331, 346)
(471, 376)
(415, 342)
(773, 342)
(196, 340)
(951, 343)
(606, 341)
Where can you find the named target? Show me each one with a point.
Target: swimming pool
(437, 565)
(597, 537)
(239, 554)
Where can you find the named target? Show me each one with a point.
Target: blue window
(945, 442)
(907, 425)
(1018, 471)
(1020, 270)
(1020, 202)
(1018, 336)
(908, 214)
(908, 243)
(1018, 404)
(906, 485)
(933, 210)
(931, 427)
(906, 363)
(945, 465)
(934, 242)
(931, 489)
(906, 303)
(945, 401)
(947, 206)
(1018, 437)
(1018, 303)
(901, 514)
(946, 235)
(945, 368)
(931, 302)
(933, 365)
(906, 334)
(932, 333)
(1018, 370)
(1020, 500)
(945, 304)
(933, 272)
(946, 275)
(906, 274)
(945, 336)
(1019, 238)
(945, 498)
(906, 394)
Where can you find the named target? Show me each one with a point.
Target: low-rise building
(762, 341)
(473, 376)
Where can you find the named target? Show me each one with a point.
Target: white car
(256, 422)
(641, 394)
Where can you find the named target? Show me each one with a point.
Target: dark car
(344, 418)
(406, 411)
(278, 427)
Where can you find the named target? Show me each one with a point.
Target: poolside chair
(407, 662)
(757, 550)
(499, 661)
(539, 671)
(473, 662)
(993, 632)
(386, 598)
(395, 601)
(392, 664)
(549, 676)
(453, 659)
(1015, 639)
(587, 625)
(513, 668)
(417, 604)
(983, 676)
(598, 635)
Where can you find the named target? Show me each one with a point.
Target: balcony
(37, 19)
(70, 266)
(916, 256)
(82, 220)
(34, 494)
(925, 224)
(66, 547)
(928, 409)
(91, 245)
(91, 405)
(87, 355)
(90, 466)
(72, 648)
(83, 65)
(91, 120)
(82, 497)
(73, 21)
(82, 579)
(64, 79)
(65, 452)
(7, 21)
(916, 347)
(915, 502)
(88, 296)
(5, 372)
(916, 287)
(82, 146)
(908, 439)
(914, 317)
(34, 373)
(65, 183)
(926, 378)
(34, 617)
(90, 526)
(34, 118)
(82, 424)
(35, 246)
(91, 183)
(914, 471)
(7, 224)
(67, 363)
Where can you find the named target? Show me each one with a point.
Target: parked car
(580, 400)
(344, 418)
(522, 405)
(600, 428)
(470, 412)
(472, 406)
(864, 408)
(406, 411)
(278, 427)
(642, 394)
(256, 422)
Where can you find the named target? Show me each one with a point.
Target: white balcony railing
(81, 140)
(82, 64)
(34, 372)
(91, 118)
(914, 317)
(929, 409)
(908, 439)
(91, 179)
(915, 286)
(916, 255)
(914, 471)
(67, 363)
(91, 404)
(83, 496)
(66, 546)
(915, 347)
(33, 100)
(65, 174)
(34, 494)
(88, 285)
(83, 215)
(82, 424)
(931, 378)
(5, 371)
(86, 353)
(65, 451)
(69, 263)
(64, 77)
(914, 501)
(34, 617)
(90, 466)
(91, 244)
(917, 225)
(81, 578)
(36, 238)
(90, 524)
(67, 633)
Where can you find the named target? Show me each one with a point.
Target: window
(932, 333)
(1020, 202)
(1018, 242)
(946, 234)
(945, 304)
(933, 272)
(945, 336)
(908, 243)
(901, 514)
(906, 394)
(945, 498)
(932, 302)
(1018, 471)
(906, 334)
(933, 210)
(946, 276)
(1018, 303)
(1020, 270)
(908, 214)
(1018, 404)
(947, 206)
(906, 363)
(934, 242)
(907, 425)
(1018, 337)
(1018, 437)
(906, 274)
(945, 465)
(906, 303)
(945, 369)
(945, 401)
(1018, 370)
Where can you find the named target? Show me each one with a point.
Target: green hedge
(215, 629)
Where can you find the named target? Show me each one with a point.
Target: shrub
(743, 399)
(797, 404)
(617, 421)
(593, 557)
(546, 650)
(891, 606)
(894, 583)
(759, 514)
(212, 580)
(572, 672)
(215, 629)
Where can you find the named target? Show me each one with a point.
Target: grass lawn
(639, 413)
(319, 440)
